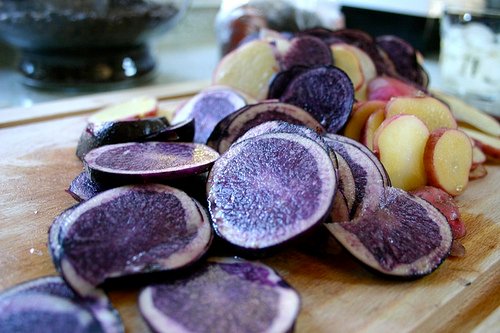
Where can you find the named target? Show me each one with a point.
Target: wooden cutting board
(37, 149)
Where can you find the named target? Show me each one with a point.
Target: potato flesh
(372, 124)
(359, 117)
(432, 112)
(248, 69)
(346, 60)
(451, 162)
(400, 143)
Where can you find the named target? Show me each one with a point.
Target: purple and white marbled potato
(269, 189)
(326, 92)
(405, 236)
(128, 230)
(47, 304)
(147, 161)
(207, 108)
(224, 295)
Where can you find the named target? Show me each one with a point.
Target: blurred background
(191, 49)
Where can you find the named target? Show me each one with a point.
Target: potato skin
(138, 130)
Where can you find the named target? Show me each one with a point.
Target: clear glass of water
(470, 56)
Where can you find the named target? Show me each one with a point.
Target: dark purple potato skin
(97, 135)
(229, 130)
(253, 190)
(207, 108)
(307, 51)
(129, 163)
(39, 312)
(127, 230)
(100, 307)
(83, 188)
(55, 236)
(326, 92)
(404, 57)
(179, 132)
(194, 186)
(281, 81)
(215, 299)
(405, 237)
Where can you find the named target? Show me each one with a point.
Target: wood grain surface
(338, 295)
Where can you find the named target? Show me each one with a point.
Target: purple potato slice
(326, 92)
(405, 236)
(38, 312)
(368, 181)
(136, 162)
(281, 81)
(109, 320)
(256, 114)
(226, 295)
(125, 231)
(270, 189)
(83, 188)
(135, 130)
(368, 153)
(404, 57)
(208, 107)
(347, 183)
(54, 244)
(306, 51)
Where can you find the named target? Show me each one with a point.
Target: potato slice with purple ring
(258, 189)
(369, 178)
(231, 295)
(404, 237)
(207, 108)
(125, 231)
(106, 318)
(139, 162)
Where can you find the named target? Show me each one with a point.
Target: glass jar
(470, 56)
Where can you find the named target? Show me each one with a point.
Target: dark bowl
(81, 43)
